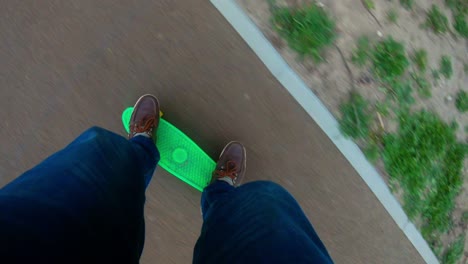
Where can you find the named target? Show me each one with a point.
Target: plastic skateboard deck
(180, 156)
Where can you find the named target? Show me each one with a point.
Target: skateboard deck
(180, 156)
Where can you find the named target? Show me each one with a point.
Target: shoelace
(230, 170)
(147, 127)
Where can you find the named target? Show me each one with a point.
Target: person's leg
(259, 222)
(91, 192)
(212, 193)
(228, 174)
(84, 203)
(149, 162)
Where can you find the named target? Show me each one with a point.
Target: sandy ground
(332, 84)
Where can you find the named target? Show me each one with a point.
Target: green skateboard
(179, 154)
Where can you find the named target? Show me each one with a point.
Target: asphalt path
(69, 65)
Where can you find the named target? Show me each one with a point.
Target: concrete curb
(320, 114)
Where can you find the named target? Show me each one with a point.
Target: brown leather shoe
(145, 117)
(231, 164)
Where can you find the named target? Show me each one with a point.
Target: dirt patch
(331, 81)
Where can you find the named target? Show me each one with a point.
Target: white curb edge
(320, 114)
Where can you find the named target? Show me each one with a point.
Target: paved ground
(67, 66)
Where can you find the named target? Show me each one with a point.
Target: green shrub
(369, 4)
(423, 86)
(389, 59)
(355, 119)
(426, 160)
(436, 20)
(383, 108)
(460, 25)
(372, 152)
(420, 59)
(455, 251)
(446, 67)
(392, 16)
(458, 6)
(408, 4)
(401, 91)
(465, 217)
(435, 74)
(362, 52)
(307, 30)
(461, 102)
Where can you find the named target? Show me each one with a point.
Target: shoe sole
(244, 166)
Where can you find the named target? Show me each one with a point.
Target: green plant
(461, 102)
(460, 25)
(465, 67)
(423, 86)
(355, 119)
(389, 59)
(392, 16)
(307, 30)
(362, 52)
(435, 74)
(426, 160)
(454, 125)
(420, 59)
(458, 6)
(455, 251)
(401, 91)
(369, 4)
(372, 152)
(408, 4)
(436, 20)
(383, 108)
(446, 67)
(465, 217)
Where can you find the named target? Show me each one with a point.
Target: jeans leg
(145, 145)
(86, 198)
(212, 193)
(258, 222)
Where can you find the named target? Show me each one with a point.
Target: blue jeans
(84, 204)
(258, 222)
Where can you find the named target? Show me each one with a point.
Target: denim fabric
(259, 222)
(83, 204)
